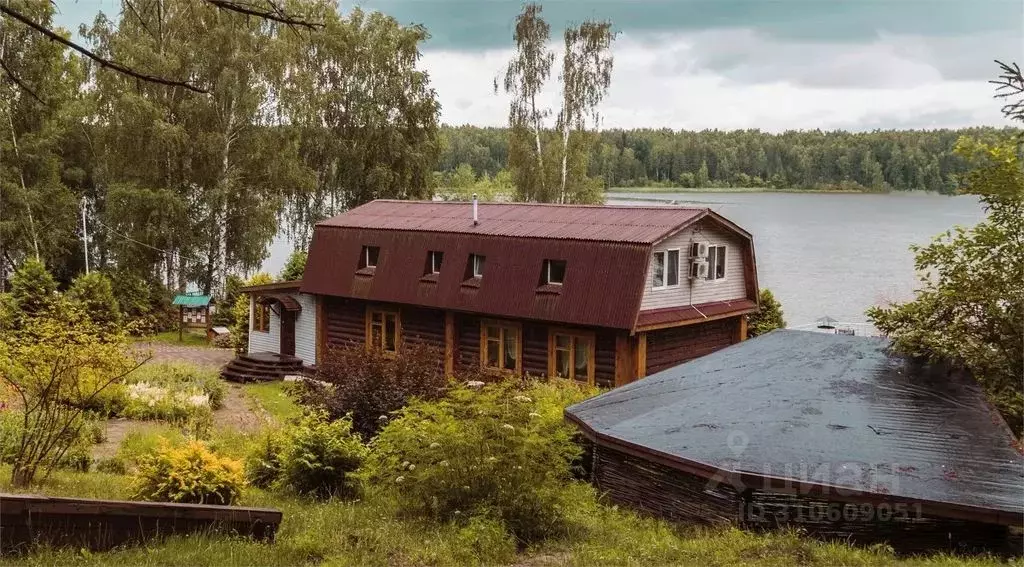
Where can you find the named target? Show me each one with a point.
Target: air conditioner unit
(699, 250)
(698, 270)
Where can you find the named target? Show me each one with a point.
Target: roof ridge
(534, 204)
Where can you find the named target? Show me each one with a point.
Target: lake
(832, 254)
(821, 254)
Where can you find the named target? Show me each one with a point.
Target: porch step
(261, 367)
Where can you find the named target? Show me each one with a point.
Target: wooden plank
(449, 343)
(625, 366)
(321, 325)
(742, 329)
(700, 321)
(28, 520)
(641, 355)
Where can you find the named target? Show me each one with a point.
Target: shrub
(191, 474)
(314, 456)
(502, 450)
(94, 295)
(294, 268)
(263, 464)
(768, 316)
(370, 384)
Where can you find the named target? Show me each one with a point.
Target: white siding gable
(305, 330)
(695, 292)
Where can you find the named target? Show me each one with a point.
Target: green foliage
(33, 293)
(174, 392)
(57, 371)
(277, 398)
(190, 474)
(313, 456)
(93, 294)
(224, 312)
(144, 304)
(502, 451)
(240, 311)
(970, 307)
(811, 160)
(768, 316)
(368, 385)
(295, 266)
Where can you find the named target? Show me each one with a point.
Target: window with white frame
(369, 257)
(554, 272)
(434, 259)
(716, 262)
(665, 271)
(476, 265)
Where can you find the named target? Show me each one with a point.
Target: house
(830, 433)
(597, 294)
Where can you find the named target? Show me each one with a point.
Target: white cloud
(730, 79)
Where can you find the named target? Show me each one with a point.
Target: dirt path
(202, 356)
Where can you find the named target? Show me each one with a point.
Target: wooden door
(287, 332)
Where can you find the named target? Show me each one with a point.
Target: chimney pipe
(476, 218)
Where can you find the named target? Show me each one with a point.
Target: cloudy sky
(726, 64)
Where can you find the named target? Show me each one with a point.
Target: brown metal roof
(606, 250)
(642, 225)
(693, 313)
(287, 302)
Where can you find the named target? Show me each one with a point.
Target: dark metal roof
(287, 302)
(603, 284)
(653, 318)
(641, 225)
(833, 414)
(280, 286)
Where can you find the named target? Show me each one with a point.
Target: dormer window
(476, 265)
(554, 272)
(369, 256)
(434, 259)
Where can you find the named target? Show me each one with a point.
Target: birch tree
(524, 79)
(586, 76)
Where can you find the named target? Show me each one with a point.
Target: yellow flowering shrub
(190, 474)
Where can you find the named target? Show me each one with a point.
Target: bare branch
(1010, 84)
(275, 13)
(21, 84)
(103, 62)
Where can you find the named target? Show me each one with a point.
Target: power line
(126, 237)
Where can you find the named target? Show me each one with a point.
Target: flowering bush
(501, 450)
(369, 384)
(172, 392)
(314, 456)
(190, 473)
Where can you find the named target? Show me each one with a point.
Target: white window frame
(436, 258)
(678, 258)
(477, 261)
(663, 254)
(711, 267)
(547, 272)
(366, 256)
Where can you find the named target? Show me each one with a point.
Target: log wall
(673, 346)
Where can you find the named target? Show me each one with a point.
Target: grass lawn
(273, 397)
(191, 337)
(371, 531)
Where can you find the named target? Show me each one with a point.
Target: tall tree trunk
(565, 160)
(540, 154)
(21, 176)
(221, 213)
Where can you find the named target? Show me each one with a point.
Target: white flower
(405, 464)
(412, 467)
(508, 426)
(522, 399)
(400, 479)
(443, 463)
(435, 445)
(492, 459)
(382, 418)
(474, 383)
(534, 414)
